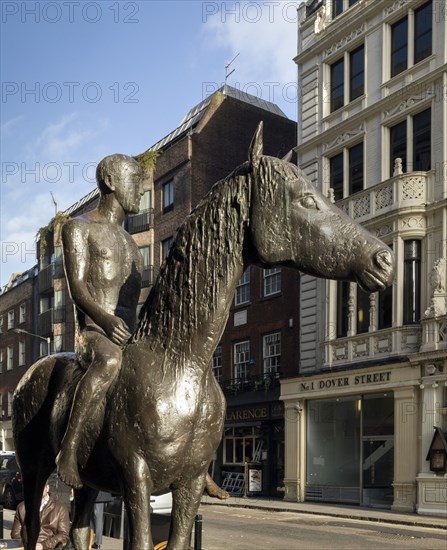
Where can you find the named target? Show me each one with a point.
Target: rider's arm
(77, 262)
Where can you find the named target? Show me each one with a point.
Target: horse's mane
(204, 254)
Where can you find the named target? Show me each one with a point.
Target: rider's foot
(214, 490)
(67, 469)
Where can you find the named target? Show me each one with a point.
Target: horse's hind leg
(84, 499)
(34, 480)
(186, 500)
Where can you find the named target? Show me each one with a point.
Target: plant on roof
(45, 233)
(147, 161)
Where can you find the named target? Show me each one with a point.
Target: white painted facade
(399, 206)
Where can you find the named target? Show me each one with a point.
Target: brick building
(19, 345)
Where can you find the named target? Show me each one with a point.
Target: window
(415, 151)
(272, 281)
(241, 359)
(10, 319)
(217, 363)
(58, 343)
(336, 175)
(145, 202)
(22, 313)
(272, 353)
(1, 361)
(354, 63)
(355, 155)
(356, 73)
(338, 6)
(59, 306)
(422, 140)
(166, 247)
(146, 277)
(1, 325)
(398, 145)
(411, 43)
(240, 445)
(363, 308)
(9, 403)
(422, 32)
(168, 196)
(46, 303)
(242, 295)
(22, 353)
(44, 349)
(347, 182)
(9, 358)
(399, 46)
(385, 308)
(337, 85)
(412, 282)
(342, 308)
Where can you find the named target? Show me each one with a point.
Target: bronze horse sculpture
(164, 416)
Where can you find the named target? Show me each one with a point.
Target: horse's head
(293, 224)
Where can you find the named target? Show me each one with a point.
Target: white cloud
(8, 127)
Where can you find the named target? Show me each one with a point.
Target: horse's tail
(42, 400)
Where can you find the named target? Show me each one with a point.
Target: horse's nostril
(384, 258)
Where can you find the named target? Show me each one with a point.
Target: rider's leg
(89, 395)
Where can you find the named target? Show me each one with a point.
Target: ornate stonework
(438, 289)
(407, 103)
(395, 6)
(342, 138)
(344, 41)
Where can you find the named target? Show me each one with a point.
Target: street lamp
(47, 339)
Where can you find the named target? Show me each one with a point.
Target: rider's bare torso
(112, 270)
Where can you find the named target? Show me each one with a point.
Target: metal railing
(141, 222)
(251, 383)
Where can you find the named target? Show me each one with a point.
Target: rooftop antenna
(54, 202)
(227, 66)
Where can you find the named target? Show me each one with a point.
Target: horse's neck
(187, 308)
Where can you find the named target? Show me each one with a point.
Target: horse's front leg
(137, 492)
(186, 500)
(84, 499)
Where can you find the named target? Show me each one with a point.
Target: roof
(17, 279)
(189, 122)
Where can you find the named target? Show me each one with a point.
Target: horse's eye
(309, 202)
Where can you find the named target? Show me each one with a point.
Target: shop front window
(240, 445)
(333, 447)
(350, 449)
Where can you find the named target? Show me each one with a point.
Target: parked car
(11, 489)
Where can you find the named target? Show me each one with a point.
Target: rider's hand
(39, 546)
(117, 330)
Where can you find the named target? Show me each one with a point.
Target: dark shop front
(252, 449)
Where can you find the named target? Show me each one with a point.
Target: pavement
(274, 505)
(332, 510)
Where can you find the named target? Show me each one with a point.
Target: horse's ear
(288, 157)
(256, 146)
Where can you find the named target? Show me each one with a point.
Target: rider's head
(121, 175)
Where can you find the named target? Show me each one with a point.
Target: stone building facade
(373, 371)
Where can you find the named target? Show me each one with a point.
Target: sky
(84, 79)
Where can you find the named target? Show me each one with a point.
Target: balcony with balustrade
(404, 191)
(45, 322)
(140, 222)
(45, 279)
